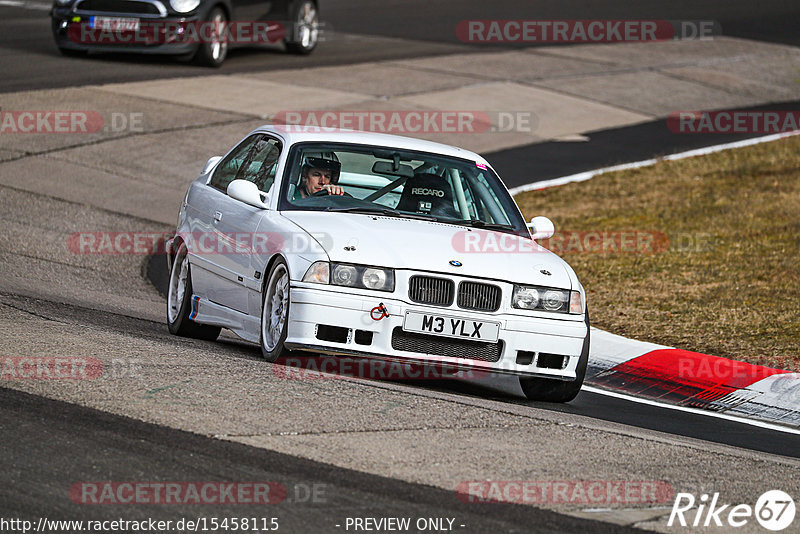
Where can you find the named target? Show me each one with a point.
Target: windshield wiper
(488, 225)
(384, 211)
(363, 209)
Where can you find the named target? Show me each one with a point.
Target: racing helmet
(326, 161)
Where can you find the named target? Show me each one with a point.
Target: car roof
(299, 134)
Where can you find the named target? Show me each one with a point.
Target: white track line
(583, 176)
(698, 411)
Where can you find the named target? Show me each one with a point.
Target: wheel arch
(268, 268)
(171, 250)
(223, 5)
(295, 5)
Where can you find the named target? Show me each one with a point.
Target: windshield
(399, 183)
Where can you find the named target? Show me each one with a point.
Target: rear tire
(179, 302)
(212, 53)
(549, 390)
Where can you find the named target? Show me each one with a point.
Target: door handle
(217, 216)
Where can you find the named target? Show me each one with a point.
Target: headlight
(184, 6)
(555, 300)
(526, 298)
(546, 299)
(376, 279)
(345, 274)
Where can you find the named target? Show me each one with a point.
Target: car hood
(430, 246)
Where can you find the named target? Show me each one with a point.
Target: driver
(319, 174)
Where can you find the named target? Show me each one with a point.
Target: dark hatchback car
(200, 29)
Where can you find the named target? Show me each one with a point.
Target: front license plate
(458, 327)
(114, 24)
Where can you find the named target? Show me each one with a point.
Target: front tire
(549, 390)
(275, 312)
(212, 52)
(179, 302)
(305, 34)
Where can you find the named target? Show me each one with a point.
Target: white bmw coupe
(377, 246)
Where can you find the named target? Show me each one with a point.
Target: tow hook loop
(379, 312)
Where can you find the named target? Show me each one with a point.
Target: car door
(226, 252)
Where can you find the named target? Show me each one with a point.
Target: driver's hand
(334, 189)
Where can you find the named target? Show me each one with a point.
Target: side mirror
(246, 192)
(210, 164)
(541, 228)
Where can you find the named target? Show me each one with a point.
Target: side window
(254, 160)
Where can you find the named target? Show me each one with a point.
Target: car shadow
(235, 56)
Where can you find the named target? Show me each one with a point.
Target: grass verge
(707, 251)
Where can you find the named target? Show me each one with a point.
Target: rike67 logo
(774, 510)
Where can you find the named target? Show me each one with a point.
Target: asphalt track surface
(408, 28)
(544, 161)
(47, 445)
(607, 408)
(75, 443)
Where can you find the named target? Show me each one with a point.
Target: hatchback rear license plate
(457, 327)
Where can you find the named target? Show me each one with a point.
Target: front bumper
(67, 32)
(323, 306)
